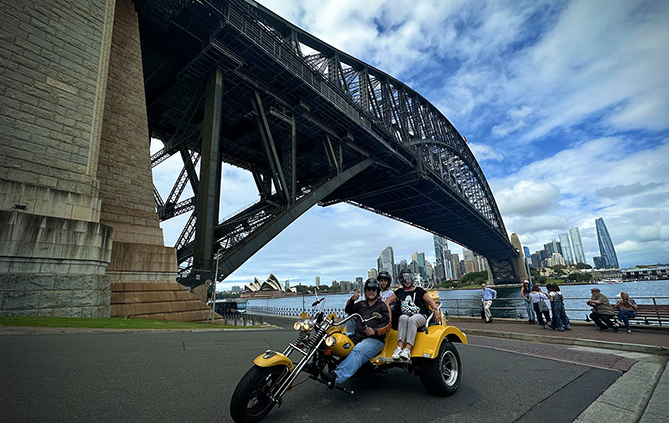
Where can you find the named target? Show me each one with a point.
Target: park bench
(651, 313)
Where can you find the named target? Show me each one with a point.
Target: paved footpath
(176, 376)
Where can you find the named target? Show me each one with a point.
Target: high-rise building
(579, 255)
(455, 262)
(566, 248)
(346, 286)
(557, 259)
(386, 261)
(318, 281)
(420, 259)
(536, 260)
(599, 262)
(606, 250)
(438, 248)
(372, 273)
(448, 264)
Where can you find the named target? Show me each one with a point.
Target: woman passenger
(414, 313)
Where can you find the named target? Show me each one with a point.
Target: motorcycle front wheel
(250, 402)
(441, 375)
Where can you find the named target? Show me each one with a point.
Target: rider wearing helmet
(368, 336)
(384, 280)
(414, 313)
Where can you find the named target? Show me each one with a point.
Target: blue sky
(565, 105)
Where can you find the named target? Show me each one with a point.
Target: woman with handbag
(415, 310)
(537, 299)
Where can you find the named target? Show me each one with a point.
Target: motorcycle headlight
(308, 325)
(305, 325)
(330, 341)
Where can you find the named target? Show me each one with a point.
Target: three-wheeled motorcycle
(321, 345)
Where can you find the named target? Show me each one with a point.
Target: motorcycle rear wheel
(441, 375)
(250, 402)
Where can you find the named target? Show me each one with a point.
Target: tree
(474, 278)
(583, 266)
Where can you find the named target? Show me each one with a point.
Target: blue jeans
(625, 315)
(363, 351)
(530, 311)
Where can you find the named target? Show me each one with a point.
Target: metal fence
(510, 308)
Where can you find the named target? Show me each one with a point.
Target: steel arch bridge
(230, 81)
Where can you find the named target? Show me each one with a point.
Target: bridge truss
(230, 81)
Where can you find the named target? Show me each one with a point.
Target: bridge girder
(310, 118)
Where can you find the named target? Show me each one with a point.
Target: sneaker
(405, 354)
(560, 329)
(396, 353)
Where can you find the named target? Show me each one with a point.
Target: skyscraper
(442, 256)
(566, 248)
(419, 258)
(386, 261)
(579, 255)
(455, 261)
(438, 249)
(606, 250)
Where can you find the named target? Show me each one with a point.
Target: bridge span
(230, 81)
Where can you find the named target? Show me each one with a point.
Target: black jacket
(380, 326)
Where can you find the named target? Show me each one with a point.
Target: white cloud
(484, 152)
(528, 198)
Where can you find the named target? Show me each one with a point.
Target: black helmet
(406, 275)
(374, 284)
(385, 275)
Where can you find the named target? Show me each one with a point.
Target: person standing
(525, 292)
(540, 308)
(486, 300)
(602, 311)
(626, 310)
(560, 320)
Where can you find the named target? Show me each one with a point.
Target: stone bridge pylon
(79, 234)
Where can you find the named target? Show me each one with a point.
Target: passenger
(384, 280)
(369, 336)
(560, 320)
(602, 311)
(414, 313)
(537, 299)
(626, 310)
(525, 292)
(486, 301)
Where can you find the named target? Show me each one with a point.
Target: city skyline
(563, 104)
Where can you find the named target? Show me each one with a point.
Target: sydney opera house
(271, 288)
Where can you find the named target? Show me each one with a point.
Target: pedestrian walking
(486, 300)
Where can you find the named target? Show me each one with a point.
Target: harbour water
(466, 302)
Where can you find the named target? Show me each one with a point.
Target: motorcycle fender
(273, 358)
(427, 346)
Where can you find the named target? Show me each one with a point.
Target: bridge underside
(221, 87)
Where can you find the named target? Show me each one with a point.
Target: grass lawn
(101, 323)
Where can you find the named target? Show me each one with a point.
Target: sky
(565, 105)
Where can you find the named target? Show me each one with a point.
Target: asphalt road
(190, 377)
